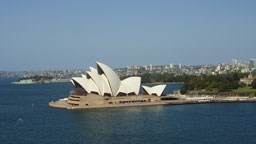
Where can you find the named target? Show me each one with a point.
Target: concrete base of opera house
(97, 101)
(64, 105)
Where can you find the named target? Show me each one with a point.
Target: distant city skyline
(136, 70)
(56, 35)
(149, 66)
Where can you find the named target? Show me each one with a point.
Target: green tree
(236, 76)
(225, 86)
(184, 89)
(251, 95)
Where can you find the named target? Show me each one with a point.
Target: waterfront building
(248, 80)
(101, 87)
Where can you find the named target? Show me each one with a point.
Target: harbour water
(25, 117)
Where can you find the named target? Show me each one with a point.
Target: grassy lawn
(241, 90)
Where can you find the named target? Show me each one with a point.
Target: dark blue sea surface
(25, 118)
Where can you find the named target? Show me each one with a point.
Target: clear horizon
(56, 35)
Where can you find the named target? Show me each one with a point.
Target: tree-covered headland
(213, 83)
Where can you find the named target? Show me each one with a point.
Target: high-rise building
(171, 66)
(234, 63)
(150, 67)
(129, 70)
(135, 70)
(180, 66)
(217, 68)
(253, 63)
(128, 67)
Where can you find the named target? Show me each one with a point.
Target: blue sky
(65, 34)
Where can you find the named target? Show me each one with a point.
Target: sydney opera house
(101, 87)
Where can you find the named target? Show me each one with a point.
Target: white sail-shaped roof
(93, 87)
(82, 83)
(105, 84)
(133, 83)
(84, 76)
(97, 80)
(125, 88)
(90, 84)
(113, 79)
(147, 89)
(72, 81)
(104, 81)
(157, 90)
(87, 86)
(93, 70)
